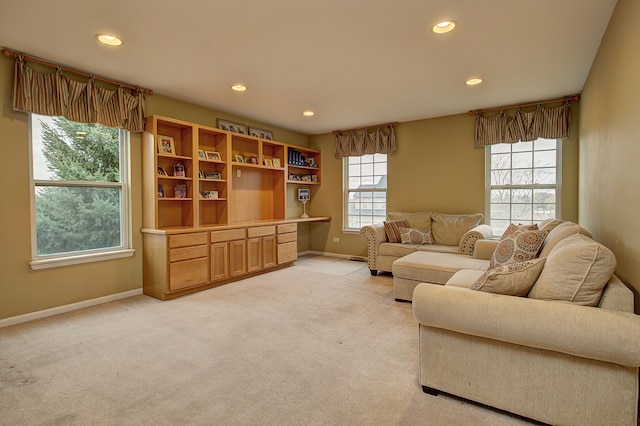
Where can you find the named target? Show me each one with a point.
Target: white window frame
(557, 186)
(72, 258)
(345, 193)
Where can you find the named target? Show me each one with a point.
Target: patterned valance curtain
(352, 143)
(542, 122)
(86, 102)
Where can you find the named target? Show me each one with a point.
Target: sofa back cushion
(420, 220)
(392, 229)
(576, 271)
(448, 229)
(557, 234)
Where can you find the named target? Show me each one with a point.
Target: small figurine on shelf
(160, 191)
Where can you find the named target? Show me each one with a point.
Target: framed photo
(201, 154)
(209, 194)
(161, 171)
(180, 191)
(276, 162)
(212, 175)
(239, 159)
(213, 155)
(260, 133)
(166, 145)
(268, 162)
(160, 191)
(178, 170)
(232, 126)
(201, 174)
(304, 194)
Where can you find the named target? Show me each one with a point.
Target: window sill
(351, 231)
(80, 258)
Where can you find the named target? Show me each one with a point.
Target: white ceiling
(354, 62)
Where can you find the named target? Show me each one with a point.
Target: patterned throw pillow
(513, 279)
(521, 245)
(391, 227)
(513, 228)
(415, 236)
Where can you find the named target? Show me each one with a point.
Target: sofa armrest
(374, 235)
(468, 240)
(586, 332)
(484, 249)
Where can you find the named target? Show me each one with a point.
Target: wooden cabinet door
(237, 258)
(269, 251)
(219, 261)
(187, 273)
(254, 254)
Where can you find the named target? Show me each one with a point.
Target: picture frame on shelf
(201, 154)
(161, 171)
(160, 191)
(178, 170)
(166, 145)
(231, 126)
(276, 162)
(209, 194)
(260, 133)
(213, 155)
(239, 159)
(212, 175)
(268, 162)
(180, 191)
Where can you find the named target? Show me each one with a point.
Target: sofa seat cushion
(464, 278)
(439, 248)
(399, 249)
(434, 267)
(576, 271)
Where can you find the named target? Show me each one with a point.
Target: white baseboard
(67, 308)
(328, 254)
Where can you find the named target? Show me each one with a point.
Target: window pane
(515, 173)
(70, 219)
(545, 159)
(65, 150)
(522, 177)
(522, 160)
(364, 206)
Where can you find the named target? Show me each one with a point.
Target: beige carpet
(321, 343)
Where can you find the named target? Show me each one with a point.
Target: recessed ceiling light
(308, 113)
(444, 27)
(239, 87)
(109, 39)
(473, 81)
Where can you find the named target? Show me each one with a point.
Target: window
(365, 192)
(80, 207)
(523, 183)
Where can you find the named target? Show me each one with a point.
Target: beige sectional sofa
(544, 356)
(452, 234)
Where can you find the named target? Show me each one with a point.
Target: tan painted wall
(610, 144)
(23, 290)
(435, 168)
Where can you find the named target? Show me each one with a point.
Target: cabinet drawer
(184, 240)
(287, 252)
(287, 238)
(188, 273)
(227, 235)
(289, 227)
(184, 253)
(261, 231)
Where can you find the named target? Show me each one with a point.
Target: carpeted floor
(321, 343)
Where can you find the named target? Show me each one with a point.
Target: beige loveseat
(453, 234)
(544, 356)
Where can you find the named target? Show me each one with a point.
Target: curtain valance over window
(378, 140)
(85, 102)
(542, 122)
